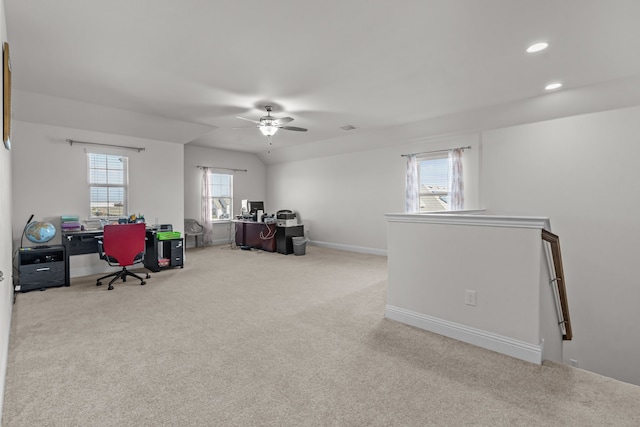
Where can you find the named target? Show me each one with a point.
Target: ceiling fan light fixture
(268, 130)
(269, 125)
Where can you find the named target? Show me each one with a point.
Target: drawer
(176, 260)
(44, 267)
(83, 246)
(42, 277)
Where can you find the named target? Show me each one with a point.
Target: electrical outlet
(470, 297)
(573, 362)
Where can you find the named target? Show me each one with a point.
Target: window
(433, 182)
(221, 196)
(108, 181)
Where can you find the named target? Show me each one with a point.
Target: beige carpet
(246, 338)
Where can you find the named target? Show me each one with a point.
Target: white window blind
(433, 181)
(108, 185)
(221, 196)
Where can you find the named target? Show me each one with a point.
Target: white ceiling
(181, 71)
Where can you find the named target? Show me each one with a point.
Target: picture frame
(6, 96)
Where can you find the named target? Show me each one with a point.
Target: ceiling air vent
(348, 127)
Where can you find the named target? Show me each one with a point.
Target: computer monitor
(255, 207)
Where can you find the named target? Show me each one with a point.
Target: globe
(40, 232)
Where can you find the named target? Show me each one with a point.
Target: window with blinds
(108, 182)
(222, 196)
(433, 181)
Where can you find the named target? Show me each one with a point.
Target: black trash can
(299, 245)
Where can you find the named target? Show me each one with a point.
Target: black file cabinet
(41, 268)
(284, 243)
(162, 254)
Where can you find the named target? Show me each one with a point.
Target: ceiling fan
(269, 125)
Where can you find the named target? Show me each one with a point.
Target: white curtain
(207, 208)
(456, 186)
(412, 191)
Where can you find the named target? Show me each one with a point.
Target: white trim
(217, 242)
(349, 248)
(472, 218)
(6, 322)
(90, 270)
(498, 343)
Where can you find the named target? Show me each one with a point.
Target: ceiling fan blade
(249, 120)
(243, 127)
(293, 128)
(283, 120)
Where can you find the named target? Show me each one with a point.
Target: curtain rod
(226, 169)
(468, 147)
(138, 149)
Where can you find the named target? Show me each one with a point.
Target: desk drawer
(41, 275)
(82, 245)
(42, 268)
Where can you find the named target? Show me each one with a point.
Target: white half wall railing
(482, 279)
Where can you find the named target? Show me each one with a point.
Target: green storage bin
(168, 235)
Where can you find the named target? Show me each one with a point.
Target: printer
(286, 218)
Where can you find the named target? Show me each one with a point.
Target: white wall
(50, 180)
(342, 200)
(249, 185)
(582, 172)
(6, 286)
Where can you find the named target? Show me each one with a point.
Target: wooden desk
(256, 235)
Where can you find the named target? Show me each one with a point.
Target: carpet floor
(249, 338)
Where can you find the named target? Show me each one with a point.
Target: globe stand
(24, 230)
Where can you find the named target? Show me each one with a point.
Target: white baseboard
(498, 343)
(349, 248)
(90, 270)
(220, 242)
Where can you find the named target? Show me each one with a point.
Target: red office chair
(122, 245)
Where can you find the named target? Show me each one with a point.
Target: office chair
(193, 228)
(122, 245)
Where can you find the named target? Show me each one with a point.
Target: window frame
(124, 185)
(214, 202)
(444, 156)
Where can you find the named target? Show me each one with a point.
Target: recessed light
(552, 86)
(537, 47)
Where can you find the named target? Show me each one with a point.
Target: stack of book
(70, 223)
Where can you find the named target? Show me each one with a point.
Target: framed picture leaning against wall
(6, 96)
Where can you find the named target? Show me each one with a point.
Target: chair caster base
(99, 284)
(110, 287)
(143, 283)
